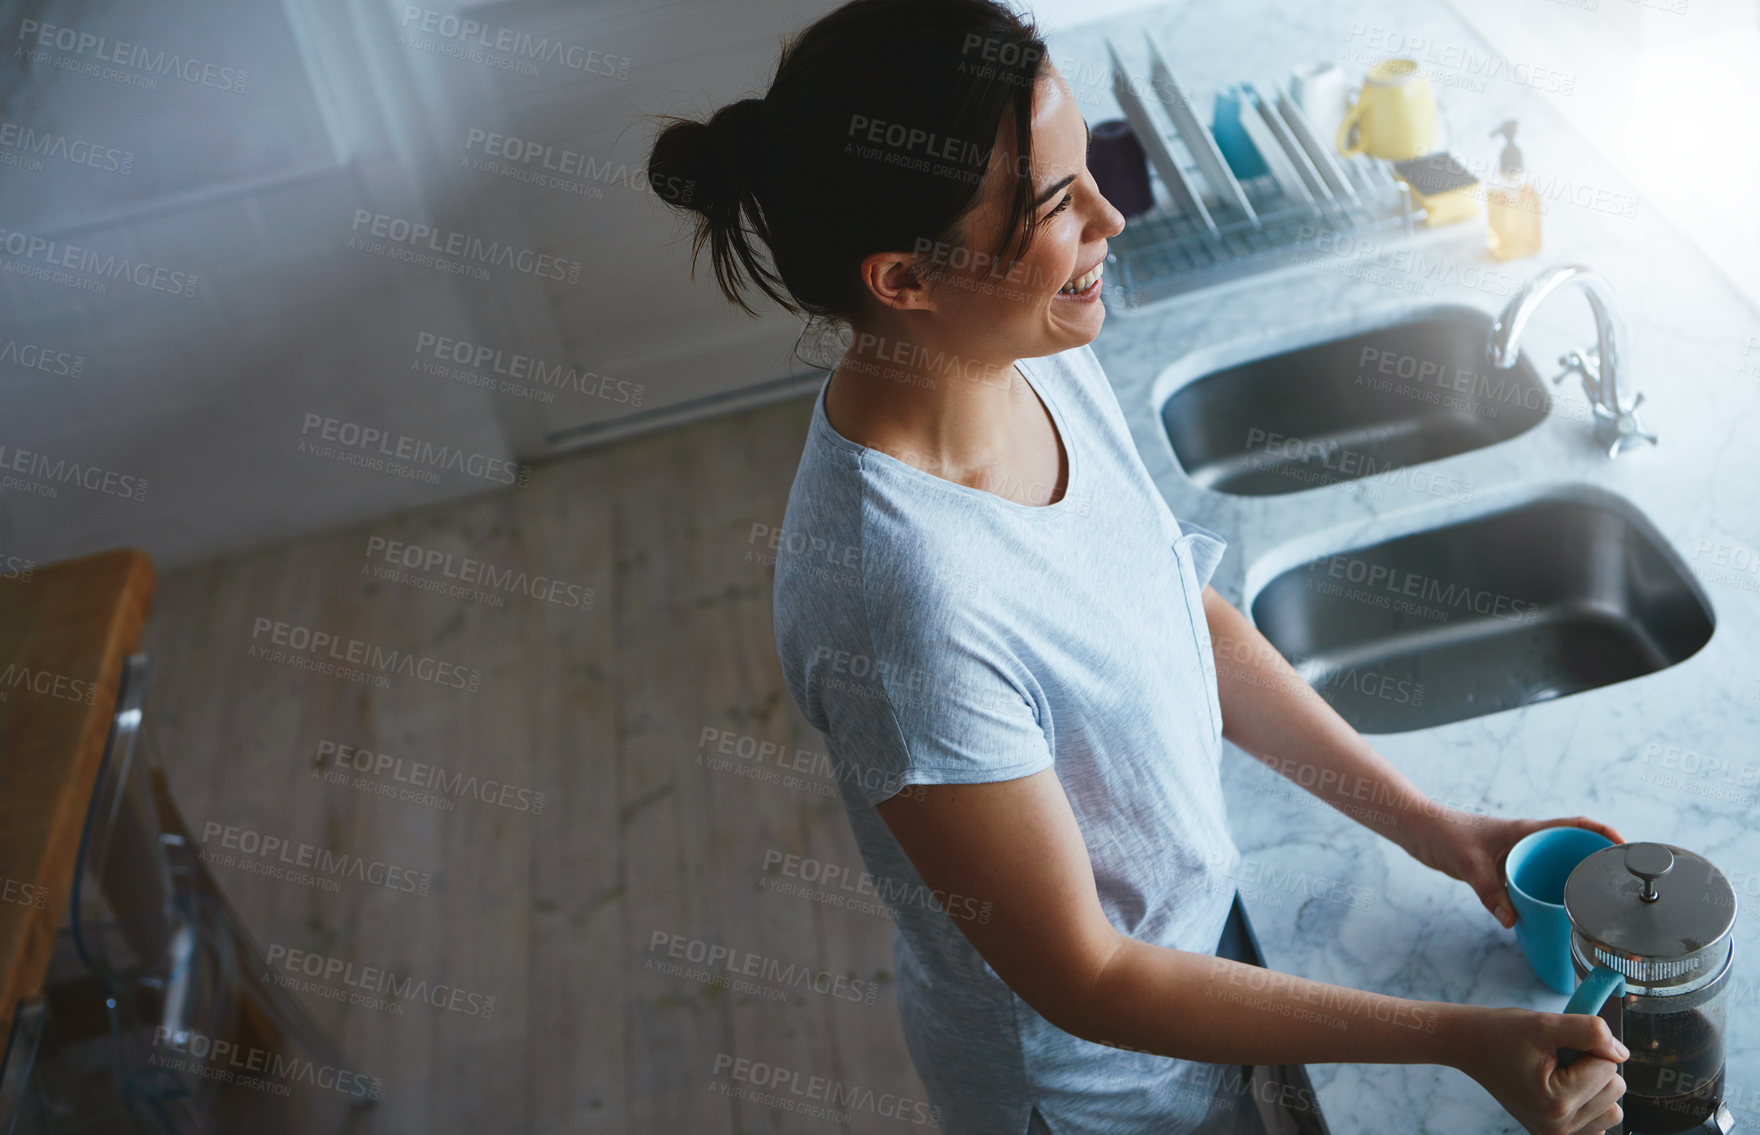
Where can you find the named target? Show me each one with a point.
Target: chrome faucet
(1616, 423)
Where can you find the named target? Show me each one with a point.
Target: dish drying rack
(1220, 228)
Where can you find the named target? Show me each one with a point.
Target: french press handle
(1593, 993)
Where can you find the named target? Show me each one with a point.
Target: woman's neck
(980, 425)
(959, 409)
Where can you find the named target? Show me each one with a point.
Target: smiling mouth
(1083, 282)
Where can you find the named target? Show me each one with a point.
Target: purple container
(1120, 167)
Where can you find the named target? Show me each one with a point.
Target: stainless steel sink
(1413, 389)
(1567, 593)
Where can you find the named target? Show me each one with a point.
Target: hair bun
(738, 129)
(709, 166)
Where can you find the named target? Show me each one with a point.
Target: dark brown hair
(875, 136)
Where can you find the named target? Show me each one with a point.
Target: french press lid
(1656, 913)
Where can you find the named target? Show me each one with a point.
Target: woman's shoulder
(867, 587)
(854, 531)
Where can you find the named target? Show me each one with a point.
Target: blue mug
(1534, 875)
(1237, 148)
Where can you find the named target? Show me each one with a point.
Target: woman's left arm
(1269, 711)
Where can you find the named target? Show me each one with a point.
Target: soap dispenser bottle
(1512, 205)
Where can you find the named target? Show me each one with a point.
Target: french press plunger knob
(1649, 862)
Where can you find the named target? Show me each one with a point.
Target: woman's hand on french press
(1513, 1054)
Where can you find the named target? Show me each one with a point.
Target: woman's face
(1049, 299)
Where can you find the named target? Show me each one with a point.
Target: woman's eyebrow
(1052, 191)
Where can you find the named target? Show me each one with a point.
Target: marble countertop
(1668, 757)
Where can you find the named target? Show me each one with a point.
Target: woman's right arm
(1017, 845)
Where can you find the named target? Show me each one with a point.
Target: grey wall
(190, 276)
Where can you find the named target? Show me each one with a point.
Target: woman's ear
(896, 281)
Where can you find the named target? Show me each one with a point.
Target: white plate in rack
(1259, 132)
(1325, 162)
(1185, 194)
(1318, 190)
(1197, 136)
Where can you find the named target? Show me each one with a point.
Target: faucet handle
(1572, 364)
(1622, 430)
(1586, 365)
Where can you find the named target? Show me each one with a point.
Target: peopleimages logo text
(72, 41)
(31, 463)
(75, 151)
(1426, 589)
(48, 683)
(378, 443)
(307, 641)
(512, 42)
(34, 356)
(418, 774)
(42, 250)
(306, 856)
(377, 981)
(219, 1059)
(525, 368)
(474, 572)
(401, 230)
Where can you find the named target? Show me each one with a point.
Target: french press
(1652, 948)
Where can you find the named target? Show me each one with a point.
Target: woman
(1005, 635)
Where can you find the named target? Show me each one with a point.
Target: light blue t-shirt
(940, 634)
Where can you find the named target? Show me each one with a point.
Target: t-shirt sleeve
(936, 701)
(1207, 549)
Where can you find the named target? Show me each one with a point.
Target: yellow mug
(1394, 116)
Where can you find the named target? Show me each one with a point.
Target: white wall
(1668, 91)
(255, 193)
(237, 189)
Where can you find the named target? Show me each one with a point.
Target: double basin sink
(1569, 591)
